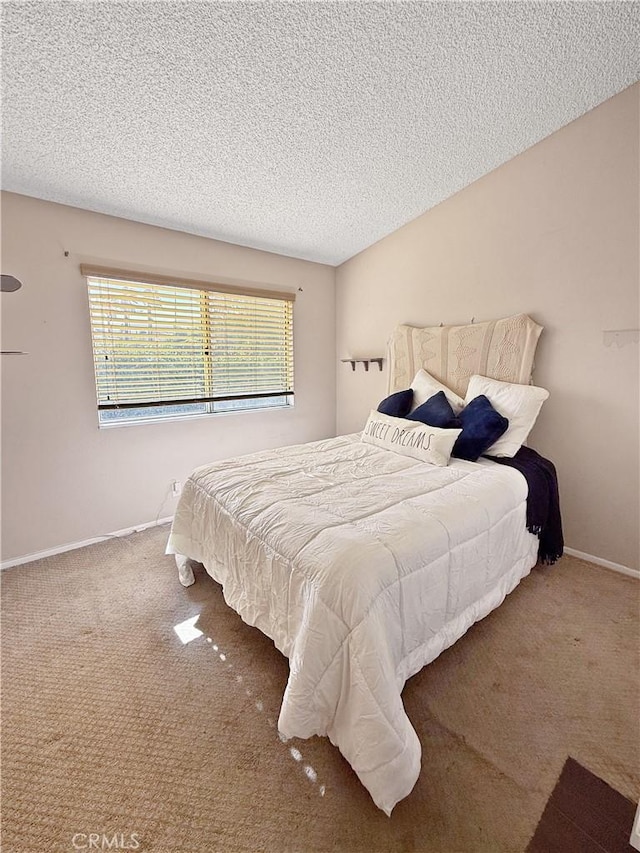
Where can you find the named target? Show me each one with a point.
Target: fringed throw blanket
(543, 502)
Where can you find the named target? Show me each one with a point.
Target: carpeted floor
(114, 726)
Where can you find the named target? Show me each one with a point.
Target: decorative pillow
(410, 438)
(435, 412)
(481, 427)
(425, 386)
(397, 405)
(520, 404)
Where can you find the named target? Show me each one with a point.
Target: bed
(363, 565)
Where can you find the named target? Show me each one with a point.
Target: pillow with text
(410, 438)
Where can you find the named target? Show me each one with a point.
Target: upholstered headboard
(500, 349)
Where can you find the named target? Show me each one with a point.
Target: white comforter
(362, 565)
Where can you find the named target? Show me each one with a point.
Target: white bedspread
(362, 565)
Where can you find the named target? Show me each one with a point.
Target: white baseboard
(607, 564)
(71, 546)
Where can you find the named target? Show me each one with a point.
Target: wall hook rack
(365, 361)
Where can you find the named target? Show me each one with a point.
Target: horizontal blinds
(97, 272)
(157, 344)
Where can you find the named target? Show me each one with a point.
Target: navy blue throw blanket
(543, 501)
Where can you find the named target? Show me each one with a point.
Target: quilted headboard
(500, 349)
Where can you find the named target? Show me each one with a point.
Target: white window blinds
(155, 344)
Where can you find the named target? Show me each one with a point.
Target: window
(166, 348)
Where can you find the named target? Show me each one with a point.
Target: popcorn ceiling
(306, 129)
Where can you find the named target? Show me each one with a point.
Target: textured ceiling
(310, 129)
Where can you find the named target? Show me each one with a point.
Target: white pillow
(425, 385)
(520, 404)
(410, 438)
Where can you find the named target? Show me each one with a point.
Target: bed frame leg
(185, 572)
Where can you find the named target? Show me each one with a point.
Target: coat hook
(66, 254)
(473, 319)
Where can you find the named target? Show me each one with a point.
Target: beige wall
(553, 233)
(63, 479)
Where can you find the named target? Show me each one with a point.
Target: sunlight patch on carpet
(187, 630)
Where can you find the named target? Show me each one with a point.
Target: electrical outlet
(176, 488)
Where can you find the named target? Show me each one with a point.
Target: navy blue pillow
(481, 426)
(397, 405)
(436, 412)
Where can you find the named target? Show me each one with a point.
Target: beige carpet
(113, 726)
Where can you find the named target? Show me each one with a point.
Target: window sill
(199, 417)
